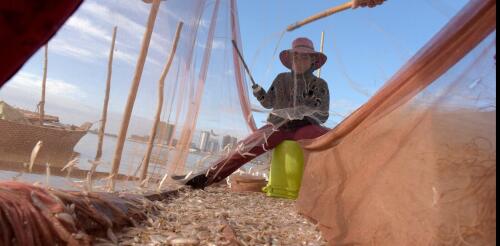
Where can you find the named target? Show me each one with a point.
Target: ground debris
(216, 216)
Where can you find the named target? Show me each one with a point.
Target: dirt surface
(217, 216)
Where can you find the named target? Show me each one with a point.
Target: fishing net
(205, 108)
(417, 163)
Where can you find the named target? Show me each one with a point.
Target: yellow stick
(41, 105)
(133, 93)
(161, 85)
(328, 12)
(106, 99)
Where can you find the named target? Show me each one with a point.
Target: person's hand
(256, 88)
(366, 3)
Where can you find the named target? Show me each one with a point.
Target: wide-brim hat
(303, 46)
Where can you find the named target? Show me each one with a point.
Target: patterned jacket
(296, 100)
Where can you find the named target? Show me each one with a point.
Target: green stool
(287, 167)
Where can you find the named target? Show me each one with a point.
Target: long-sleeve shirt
(302, 99)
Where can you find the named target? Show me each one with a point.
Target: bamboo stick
(41, 104)
(321, 50)
(161, 85)
(328, 12)
(133, 93)
(106, 99)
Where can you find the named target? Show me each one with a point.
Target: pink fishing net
(416, 165)
(205, 110)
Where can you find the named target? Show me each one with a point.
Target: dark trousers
(262, 140)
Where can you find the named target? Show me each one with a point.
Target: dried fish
(207, 217)
(47, 177)
(34, 154)
(111, 236)
(70, 164)
(184, 242)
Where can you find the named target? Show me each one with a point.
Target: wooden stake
(41, 104)
(161, 85)
(133, 93)
(318, 16)
(321, 50)
(106, 99)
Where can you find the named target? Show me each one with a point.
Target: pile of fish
(34, 215)
(217, 216)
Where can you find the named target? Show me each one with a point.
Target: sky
(365, 47)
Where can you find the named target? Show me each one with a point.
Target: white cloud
(89, 24)
(216, 44)
(66, 48)
(113, 18)
(86, 27)
(342, 107)
(204, 23)
(63, 99)
(143, 8)
(30, 83)
(125, 56)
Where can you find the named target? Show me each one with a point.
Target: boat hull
(17, 141)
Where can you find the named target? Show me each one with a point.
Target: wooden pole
(133, 93)
(321, 50)
(328, 12)
(161, 85)
(106, 99)
(41, 104)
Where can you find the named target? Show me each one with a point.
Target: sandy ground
(217, 216)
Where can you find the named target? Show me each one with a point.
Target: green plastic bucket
(287, 167)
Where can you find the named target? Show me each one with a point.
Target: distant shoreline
(94, 131)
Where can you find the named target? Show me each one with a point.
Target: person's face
(301, 62)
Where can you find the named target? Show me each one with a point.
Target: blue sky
(365, 47)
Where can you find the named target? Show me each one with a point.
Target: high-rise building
(234, 141)
(214, 147)
(226, 140)
(229, 140)
(164, 132)
(205, 141)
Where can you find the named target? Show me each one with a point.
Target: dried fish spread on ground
(216, 216)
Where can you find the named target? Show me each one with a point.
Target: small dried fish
(184, 242)
(34, 154)
(111, 236)
(162, 181)
(67, 218)
(215, 216)
(47, 178)
(70, 166)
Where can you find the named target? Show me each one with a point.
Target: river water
(133, 153)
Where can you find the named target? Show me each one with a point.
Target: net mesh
(419, 167)
(416, 164)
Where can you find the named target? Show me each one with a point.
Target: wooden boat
(19, 135)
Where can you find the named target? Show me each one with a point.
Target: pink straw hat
(303, 46)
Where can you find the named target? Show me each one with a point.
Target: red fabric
(226, 166)
(26, 25)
